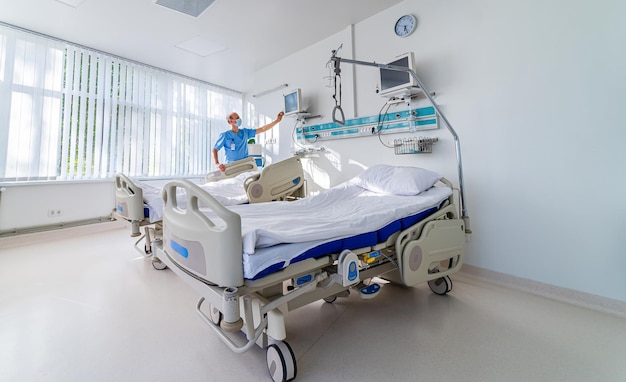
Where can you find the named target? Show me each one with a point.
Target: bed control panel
(371, 257)
(348, 268)
(303, 280)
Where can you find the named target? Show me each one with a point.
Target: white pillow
(396, 180)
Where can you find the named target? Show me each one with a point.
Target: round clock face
(405, 25)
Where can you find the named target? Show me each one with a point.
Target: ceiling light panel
(200, 46)
(72, 3)
(189, 7)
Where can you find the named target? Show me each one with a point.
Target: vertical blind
(68, 112)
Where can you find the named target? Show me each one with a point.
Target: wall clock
(405, 25)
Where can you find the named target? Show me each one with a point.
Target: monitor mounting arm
(337, 62)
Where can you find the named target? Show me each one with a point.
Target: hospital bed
(140, 204)
(252, 264)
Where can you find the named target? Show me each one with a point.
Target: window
(72, 113)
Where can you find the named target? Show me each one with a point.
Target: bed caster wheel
(281, 362)
(331, 299)
(441, 286)
(158, 264)
(147, 250)
(215, 315)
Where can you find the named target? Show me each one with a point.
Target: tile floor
(85, 306)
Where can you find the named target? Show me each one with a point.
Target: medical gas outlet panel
(411, 120)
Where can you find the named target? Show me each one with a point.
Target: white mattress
(226, 191)
(343, 211)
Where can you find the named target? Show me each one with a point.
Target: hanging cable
(293, 134)
(381, 121)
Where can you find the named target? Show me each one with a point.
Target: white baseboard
(57, 234)
(585, 300)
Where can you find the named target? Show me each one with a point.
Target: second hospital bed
(140, 204)
(255, 263)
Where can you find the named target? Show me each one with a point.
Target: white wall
(534, 90)
(309, 72)
(50, 204)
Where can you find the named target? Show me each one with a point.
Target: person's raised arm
(263, 129)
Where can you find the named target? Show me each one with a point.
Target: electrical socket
(54, 213)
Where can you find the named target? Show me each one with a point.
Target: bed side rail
(232, 169)
(275, 181)
(209, 248)
(128, 199)
(454, 212)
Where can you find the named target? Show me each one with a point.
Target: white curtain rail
(268, 91)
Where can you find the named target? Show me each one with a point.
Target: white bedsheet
(229, 192)
(342, 211)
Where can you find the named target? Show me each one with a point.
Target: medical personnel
(235, 140)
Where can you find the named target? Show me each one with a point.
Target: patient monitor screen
(292, 102)
(393, 78)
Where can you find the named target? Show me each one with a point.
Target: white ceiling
(252, 33)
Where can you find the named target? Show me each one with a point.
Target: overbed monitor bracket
(404, 94)
(302, 117)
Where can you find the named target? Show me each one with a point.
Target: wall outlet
(54, 213)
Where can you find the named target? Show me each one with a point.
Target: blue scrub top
(235, 145)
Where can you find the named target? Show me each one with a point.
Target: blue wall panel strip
(390, 123)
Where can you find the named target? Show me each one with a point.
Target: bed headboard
(275, 181)
(232, 169)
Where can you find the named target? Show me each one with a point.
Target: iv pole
(337, 62)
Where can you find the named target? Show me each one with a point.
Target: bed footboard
(128, 202)
(209, 249)
(276, 181)
(431, 249)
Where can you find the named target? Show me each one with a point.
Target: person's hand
(221, 167)
(280, 116)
